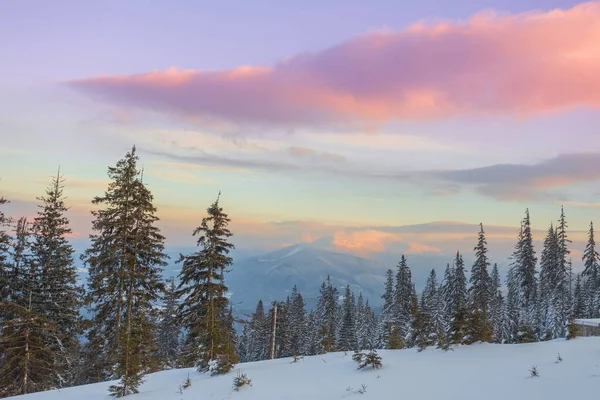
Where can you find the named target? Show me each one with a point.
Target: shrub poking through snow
(362, 389)
(534, 372)
(295, 359)
(187, 382)
(240, 381)
(558, 359)
(369, 359)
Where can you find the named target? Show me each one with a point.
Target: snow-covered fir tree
(125, 261)
(204, 306)
(579, 309)
(169, 329)
(497, 310)
(402, 300)
(563, 278)
(479, 327)
(297, 324)
(548, 283)
(347, 335)
(387, 318)
(52, 255)
(4, 255)
(457, 301)
(591, 274)
(523, 286)
(327, 316)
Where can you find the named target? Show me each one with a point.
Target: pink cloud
(523, 64)
(365, 241)
(418, 248)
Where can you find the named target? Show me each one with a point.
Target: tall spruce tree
(457, 299)
(548, 284)
(258, 348)
(347, 336)
(4, 256)
(402, 299)
(579, 300)
(497, 309)
(52, 255)
(523, 285)
(591, 274)
(479, 327)
(27, 363)
(388, 312)
(204, 305)
(297, 324)
(562, 290)
(124, 261)
(169, 330)
(327, 316)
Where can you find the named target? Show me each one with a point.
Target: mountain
(271, 276)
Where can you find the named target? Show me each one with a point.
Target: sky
(350, 120)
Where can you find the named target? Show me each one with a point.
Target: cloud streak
(521, 181)
(522, 64)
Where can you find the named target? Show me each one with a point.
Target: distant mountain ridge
(271, 276)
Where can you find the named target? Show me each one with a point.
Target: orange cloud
(364, 242)
(418, 248)
(522, 64)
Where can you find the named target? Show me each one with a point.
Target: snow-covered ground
(479, 371)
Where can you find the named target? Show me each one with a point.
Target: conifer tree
(280, 330)
(297, 324)
(205, 306)
(312, 339)
(52, 255)
(479, 327)
(457, 298)
(497, 309)
(124, 261)
(591, 273)
(402, 298)
(347, 337)
(548, 283)
(4, 256)
(259, 334)
(327, 315)
(562, 292)
(579, 300)
(26, 361)
(169, 330)
(387, 319)
(523, 284)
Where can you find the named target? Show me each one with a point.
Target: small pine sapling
(534, 372)
(362, 389)
(558, 359)
(371, 358)
(357, 356)
(187, 382)
(240, 381)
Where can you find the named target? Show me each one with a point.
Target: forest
(127, 321)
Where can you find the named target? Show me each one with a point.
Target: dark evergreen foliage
(204, 305)
(125, 263)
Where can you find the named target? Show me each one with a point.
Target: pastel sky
(343, 119)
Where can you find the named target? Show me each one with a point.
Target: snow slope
(480, 371)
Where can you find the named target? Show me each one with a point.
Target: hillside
(480, 371)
